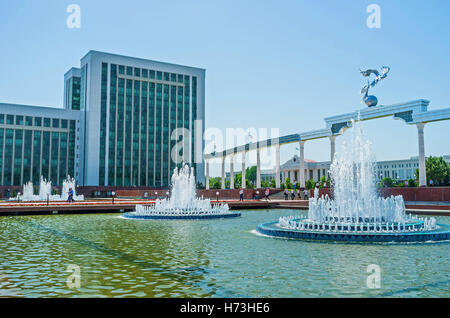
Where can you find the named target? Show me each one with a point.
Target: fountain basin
(442, 233)
(134, 215)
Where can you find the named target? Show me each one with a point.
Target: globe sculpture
(183, 202)
(371, 100)
(356, 213)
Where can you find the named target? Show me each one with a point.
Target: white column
(243, 170)
(258, 169)
(277, 166)
(302, 164)
(332, 147)
(422, 167)
(207, 174)
(232, 172)
(223, 172)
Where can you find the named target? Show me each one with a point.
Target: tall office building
(130, 115)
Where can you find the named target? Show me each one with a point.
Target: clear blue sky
(285, 64)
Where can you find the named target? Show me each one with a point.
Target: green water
(210, 258)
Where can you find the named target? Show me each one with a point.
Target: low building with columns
(313, 169)
(401, 170)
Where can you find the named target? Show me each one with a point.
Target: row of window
(33, 121)
(142, 117)
(151, 74)
(403, 165)
(25, 155)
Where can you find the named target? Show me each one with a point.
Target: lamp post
(217, 195)
(257, 194)
(167, 194)
(113, 195)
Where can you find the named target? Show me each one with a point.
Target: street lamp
(217, 195)
(113, 194)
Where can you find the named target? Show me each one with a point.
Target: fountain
(45, 191)
(356, 212)
(183, 203)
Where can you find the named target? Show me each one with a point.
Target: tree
(237, 180)
(387, 182)
(215, 183)
(250, 174)
(310, 184)
(437, 170)
(273, 183)
(288, 184)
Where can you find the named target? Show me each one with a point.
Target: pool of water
(119, 257)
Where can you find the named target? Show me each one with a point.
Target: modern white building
(401, 170)
(135, 120)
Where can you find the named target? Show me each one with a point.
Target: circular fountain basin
(440, 234)
(133, 215)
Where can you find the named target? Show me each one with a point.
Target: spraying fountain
(45, 191)
(356, 213)
(183, 202)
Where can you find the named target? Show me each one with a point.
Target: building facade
(38, 141)
(133, 120)
(132, 109)
(400, 170)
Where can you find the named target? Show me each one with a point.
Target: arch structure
(412, 113)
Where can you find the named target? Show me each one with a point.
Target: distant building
(396, 169)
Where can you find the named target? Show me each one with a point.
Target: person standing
(70, 195)
(431, 182)
(286, 194)
(293, 194)
(267, 193)
(241, 194)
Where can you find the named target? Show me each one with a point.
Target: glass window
(152, 74)
(10, 119)
(137, 71)
(29, 121)
(46, 122)
(2, 118)
(121, 69)
(129, 70)
(38, 121)
(173, 77)
(19, 120)
(55, 123)
(166, 76)
(159, 75)
(145, 73)
(180, 78)
(63, 123)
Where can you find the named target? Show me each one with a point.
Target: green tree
(310, 184)
(437, 170)
(387, 182)
(273, 183)
(288, 184)
(237, 180)
(215, 183)
(250, 174)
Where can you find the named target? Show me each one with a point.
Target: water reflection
(208, 258)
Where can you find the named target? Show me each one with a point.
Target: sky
(269, 64)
